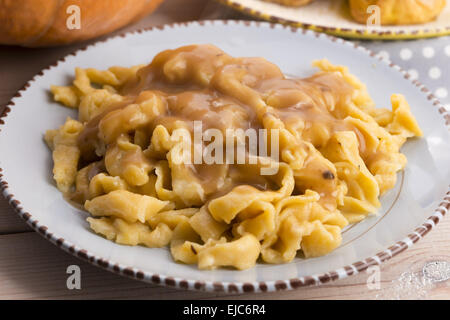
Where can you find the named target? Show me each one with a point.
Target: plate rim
(224, 286)
(342, 32)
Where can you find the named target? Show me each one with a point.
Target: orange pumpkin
(35, 23)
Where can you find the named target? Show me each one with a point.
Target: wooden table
(32, 268)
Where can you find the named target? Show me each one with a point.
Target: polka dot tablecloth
(426, 60)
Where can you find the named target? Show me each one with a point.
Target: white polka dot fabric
(426, 60)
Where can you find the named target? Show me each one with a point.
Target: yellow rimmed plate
(333, 17)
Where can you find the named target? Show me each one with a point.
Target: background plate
(408, 211)
(333, 17)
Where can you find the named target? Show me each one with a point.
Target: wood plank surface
(9, 220)
(32, 268)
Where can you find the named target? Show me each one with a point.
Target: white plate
(420, 192)
(333, 17)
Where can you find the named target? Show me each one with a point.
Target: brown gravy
(200, 82)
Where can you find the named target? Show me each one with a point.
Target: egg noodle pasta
(323, 158)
